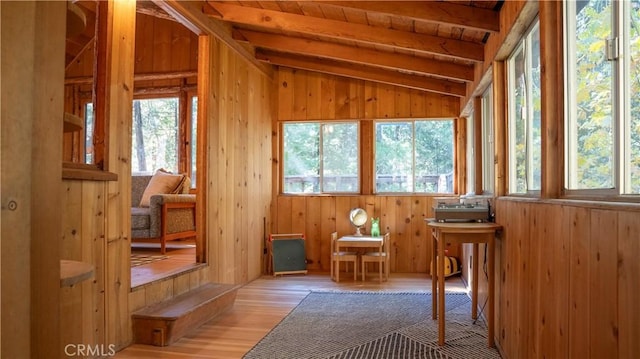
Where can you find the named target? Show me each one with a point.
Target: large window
(414, 156)
(155, 135)
(602, 146)
(321, 157)
(524, 114)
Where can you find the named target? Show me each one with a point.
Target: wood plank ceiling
(426, 45)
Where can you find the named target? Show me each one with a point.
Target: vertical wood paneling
(144, 48)
(298, 214)
(118, 199)
(386, 101)
(603, 291)
(418, 104)
(313, 234)
(343, 97)
(314, 96)
(328, 225)
(304, 95)
(578, 228)
(370, 100)
(285, 94)
(402, 104)
(300, 97)
(342, 210)
(327, 96)
(516, 238)
(161, 46)
(318, 216)
(242, 103)
(629, 284)
(240, 99)
(402, 234)
(568, 275)
(553, 278)
(419, 238)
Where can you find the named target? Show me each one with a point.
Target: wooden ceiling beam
(277, 20)
(361, 72)
(438, 12)
(370, 57)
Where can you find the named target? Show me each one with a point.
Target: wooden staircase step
(164, 323)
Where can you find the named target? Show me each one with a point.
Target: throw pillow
(186, 185)
(161, 183)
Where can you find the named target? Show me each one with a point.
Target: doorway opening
(166, 138)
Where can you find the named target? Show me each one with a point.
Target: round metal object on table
(358, 218)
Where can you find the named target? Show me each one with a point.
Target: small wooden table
(357, 242)
(458, 233)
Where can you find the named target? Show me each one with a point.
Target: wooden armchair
(168, 216)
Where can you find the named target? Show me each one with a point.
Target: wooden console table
(458, 233)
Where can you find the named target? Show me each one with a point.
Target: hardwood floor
(181, 256)
(260, 305)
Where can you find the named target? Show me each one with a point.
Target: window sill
(80, 171)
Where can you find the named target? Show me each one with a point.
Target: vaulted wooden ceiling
(426, 45)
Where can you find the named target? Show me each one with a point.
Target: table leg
(490, 268)
(474, 283)
(434, 278)
(440, 272)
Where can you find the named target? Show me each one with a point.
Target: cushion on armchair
(162, 183)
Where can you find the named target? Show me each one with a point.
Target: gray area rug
(374, 325)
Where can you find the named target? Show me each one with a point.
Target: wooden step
(164, 323)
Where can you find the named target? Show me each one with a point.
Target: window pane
(471, 154)
(301, 158)
(534, 103)
(633, 134)
(194, 139)
(488, 166)
(414, 156)
(394, 157)
(88, 133)
(434, 156)
(155, 135)
(525, 162)
(340, 158)
(517, 123)
(591, 122)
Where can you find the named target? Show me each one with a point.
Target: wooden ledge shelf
(73, 272)
(72, 123)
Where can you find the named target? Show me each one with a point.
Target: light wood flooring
(181, 256)
(260, 305)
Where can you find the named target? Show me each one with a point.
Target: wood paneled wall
(164, 46)
(96, 214)
(239, 165)
(318, 216)
(32, 101)
(569, 279)
(304, 95)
